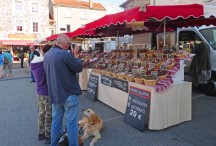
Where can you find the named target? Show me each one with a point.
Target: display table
(166, 109)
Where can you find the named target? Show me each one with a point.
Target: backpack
(6, 60)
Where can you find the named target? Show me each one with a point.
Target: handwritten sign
(160, 55)
(135, 54)
(137, 110)
(92, 87)
(134, 71)
(143, 63)
(120, 84)
(136, 63)
(142, 55)
(151, 65)
(170, 55)
(163, 67)
(129, 63)
(107, 80)
(155, 73)
(143, 73)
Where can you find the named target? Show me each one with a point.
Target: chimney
(90, 4)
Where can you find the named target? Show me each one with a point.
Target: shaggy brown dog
(92, 125)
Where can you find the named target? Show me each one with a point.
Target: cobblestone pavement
(18, 120)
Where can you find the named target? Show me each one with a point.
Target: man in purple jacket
(63, 87)
(44, 107)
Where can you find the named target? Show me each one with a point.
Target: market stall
(157, 72)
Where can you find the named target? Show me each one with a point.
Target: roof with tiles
(79, 4)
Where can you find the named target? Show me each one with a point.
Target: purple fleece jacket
(40, 78)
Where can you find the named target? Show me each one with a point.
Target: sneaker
(47, 140)
(41, 136)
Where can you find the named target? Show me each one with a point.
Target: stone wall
(9, 16)
(136, 3)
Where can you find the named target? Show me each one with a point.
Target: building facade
(128, 4)
(23, 21)
(72, 14)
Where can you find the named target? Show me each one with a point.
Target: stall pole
(118, 39)
(164, 33)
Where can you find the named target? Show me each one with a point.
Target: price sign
(143, 73)
(143, 63)
(142, 55)
(135, 54)
(134, 71)
(137, 110)
(151, 65)
(107, 80)
(170, 55)
(165, 47)
(126, 70)
(129, 63)
(155, 73)
(123, 55)
(163, 67)
(160, 55)
(92, 87)
(120, 84)
(136, 63)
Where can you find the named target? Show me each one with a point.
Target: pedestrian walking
(32, 53)
(61, 68)
(44, 106)
(7, 61)
(21, 56)
(1, 64)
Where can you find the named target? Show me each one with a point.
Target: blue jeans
(32, 76)
(70, 108)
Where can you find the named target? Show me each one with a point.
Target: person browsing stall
(63, 88)
(44, 106)
(32, 53)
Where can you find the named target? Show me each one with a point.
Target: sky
(114, 3)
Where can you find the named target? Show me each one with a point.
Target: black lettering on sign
(170, 55)
(107, 80)
(92, 87)
(120, 84)
(137, 110)
(151, 65)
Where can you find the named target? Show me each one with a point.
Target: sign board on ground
(107, 80)
(92, 87)
(120, 84)
(137, 110)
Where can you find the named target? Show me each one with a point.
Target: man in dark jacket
(32, 53)
(21, 56)
(63, 88)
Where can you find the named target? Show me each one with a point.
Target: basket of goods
(171, 65)
(130, 78)
(121, 76)
(180, 55)
(115, 75)
(162, 75)
(108, 74)
(150, 80)
(138, 79)
(103, 72)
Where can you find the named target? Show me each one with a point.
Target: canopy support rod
(164, 33)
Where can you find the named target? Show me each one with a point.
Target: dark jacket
(40, 77)
(61, 68)
(21, 54)
(34, 53)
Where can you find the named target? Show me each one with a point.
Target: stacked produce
(88, 59)
(141, 66)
